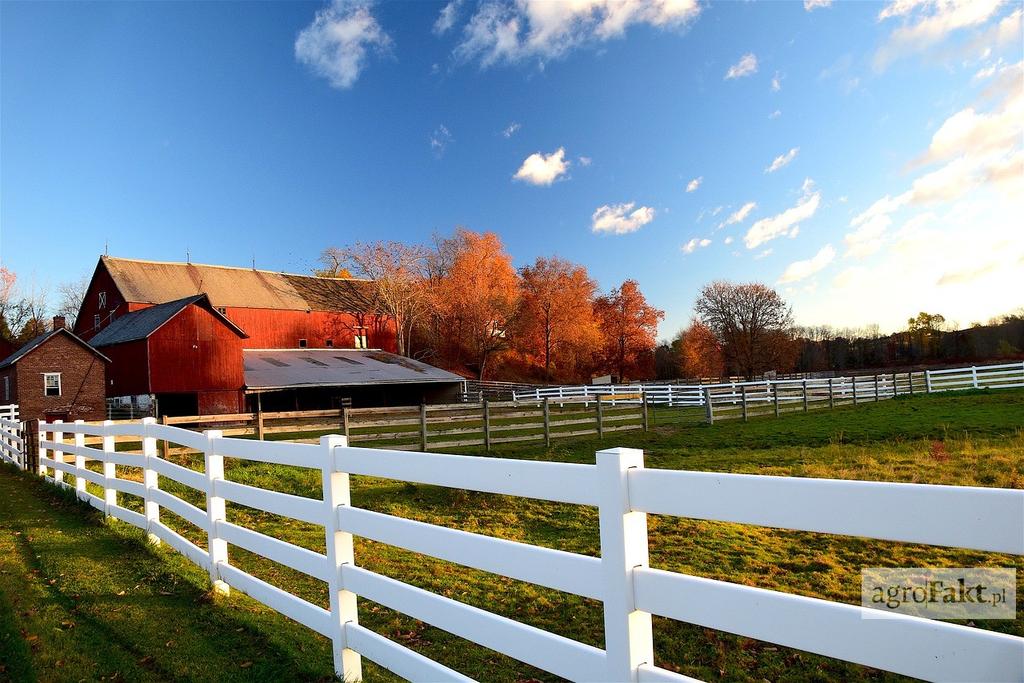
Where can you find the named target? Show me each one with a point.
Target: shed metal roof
(36, 342)
(267, 369)
(142, 323)
(157, 282)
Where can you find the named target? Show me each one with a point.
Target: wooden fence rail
(624, 493)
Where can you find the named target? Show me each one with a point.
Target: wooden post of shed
(708, 409)
(423, 426)
(775, 395)
(600, 418)
(547, 422)
(165, 445)
(643, 409)
(831, 394)
(743, 400)
(487, 426)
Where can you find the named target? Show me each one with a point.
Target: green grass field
(81, 598)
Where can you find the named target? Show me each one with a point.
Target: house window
(51, 384)
(96, 321)
(329, 343)
(102, 296)
(303, 343)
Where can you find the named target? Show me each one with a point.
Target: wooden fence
(624, 493)
(433, 426)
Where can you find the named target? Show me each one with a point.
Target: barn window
(51, 384)
(329, 343)
(222, 310)
(102, 296)
(96, 322)
(303, 343)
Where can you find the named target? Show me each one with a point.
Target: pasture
(80, 597)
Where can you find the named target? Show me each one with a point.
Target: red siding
(195, 352)
(271, 329)
(101, 282)
(128, 374)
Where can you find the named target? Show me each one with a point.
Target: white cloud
(782, 160)
(504, 31)
(739, 215)
(811, 5)
(694, 184)
(511, 129)
(786, 222)
(776, 82)
(745, 67)
(728, 240)
(585, 161)
(929, 22)
(620, 219)
(543, 169)
(446, 19)
(335, 45)
(970, 132)
(800, 270)
(694, 244)
(775, 114)
(764, 254)
(440, 139)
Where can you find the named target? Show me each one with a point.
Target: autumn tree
(700, 353)
(752, 323)
(629, 327)
(399, 276)
(473, 296)
(22, 312)
(556, 317)
(72, 293)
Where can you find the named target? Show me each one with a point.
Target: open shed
(312, 379)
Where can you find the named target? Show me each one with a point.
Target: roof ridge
(213, 265)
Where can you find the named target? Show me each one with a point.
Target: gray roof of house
(142, 323)
(36, 342)
(289, 368)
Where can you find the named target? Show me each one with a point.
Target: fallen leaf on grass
(245, 665)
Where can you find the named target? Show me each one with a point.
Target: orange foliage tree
(629, 327)
(557, 328)
(473, 292)
(700, 354)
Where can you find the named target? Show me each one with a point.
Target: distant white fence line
(624, 493)
(852, 389)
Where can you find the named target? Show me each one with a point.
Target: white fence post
(41, 436)
(109, 472)
(627, 630)
(80, 463)
(928, 381)
(348, 664)
(58, 437)
(150, 481)
(216, 511)
(974, 376)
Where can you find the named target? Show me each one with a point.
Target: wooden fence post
(775, 392)
(79, 463)
(487, 427)
(259, 422)
(894, 392)
(547, 422)
(150, 481)
(423, 425)
(600, 418)
(853, 379)
(743, 400)
(805, 395)
(109, 472)
(910, 381)
(708, 408)
(643, 409)
(216, 511)
(831, 394)
(165, 447)
(348, 664)
(628, 636)
(876, 388)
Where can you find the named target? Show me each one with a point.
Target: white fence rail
(12, 444)
(631, 592)
(792, 391)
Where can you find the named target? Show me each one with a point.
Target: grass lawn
(74, 589)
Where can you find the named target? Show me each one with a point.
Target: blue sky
(880, 145)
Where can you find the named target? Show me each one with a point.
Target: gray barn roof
(36, 342)
(142, 323)
(292, 368)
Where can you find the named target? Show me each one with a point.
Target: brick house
(56, 376)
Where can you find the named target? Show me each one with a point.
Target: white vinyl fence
(851, 389)
(624, 492)
(12, 444)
